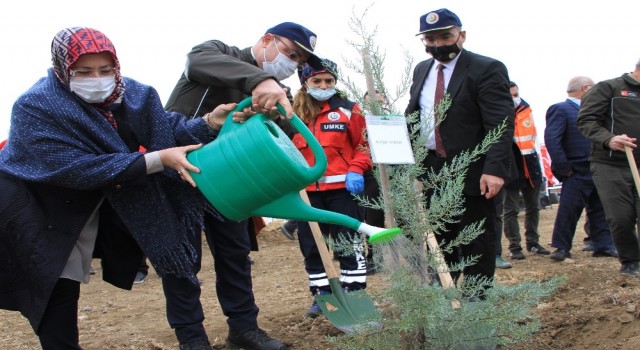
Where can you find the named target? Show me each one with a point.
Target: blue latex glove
(354, 182)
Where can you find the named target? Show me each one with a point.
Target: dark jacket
(480, 102)
(611, 108)
(39, 225)
(215, 74)
(567, 147)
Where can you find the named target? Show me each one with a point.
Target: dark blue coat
(568, 148)
(39, 225)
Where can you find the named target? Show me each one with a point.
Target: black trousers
(476, 208)
(230, 246)
(58, 329)
(622, 207)
(353, 266)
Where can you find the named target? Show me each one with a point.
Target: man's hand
(618, 142)
(266, 95)
(490, 185)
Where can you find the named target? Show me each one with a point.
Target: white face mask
(516, 101)
(93, 90)
(281, 67)
(319, 94)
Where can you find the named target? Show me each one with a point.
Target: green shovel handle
(320, 165)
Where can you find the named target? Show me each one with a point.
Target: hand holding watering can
(175, 157)
(253, 169)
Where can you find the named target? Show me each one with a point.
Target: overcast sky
(543, 43)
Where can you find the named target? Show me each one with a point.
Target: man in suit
(480, 102)
(569, 152)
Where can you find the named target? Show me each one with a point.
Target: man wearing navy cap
(478, 87)
(217, 73)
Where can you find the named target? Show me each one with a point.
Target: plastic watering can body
(252, 164)
(253, 169)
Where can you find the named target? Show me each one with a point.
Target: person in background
(338, 125)
(480, 102)
(569, 152)
(528, 183)
(609, 118)
(217, 72)
(78, 186)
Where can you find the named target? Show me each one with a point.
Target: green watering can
(253, 169)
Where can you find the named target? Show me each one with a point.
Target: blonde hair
(305, 106)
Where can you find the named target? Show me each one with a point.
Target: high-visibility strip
(353, 276)
(528, 151)
(318, 280)
(524, 138)
(332, 179)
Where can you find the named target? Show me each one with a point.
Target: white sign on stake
(389, 139)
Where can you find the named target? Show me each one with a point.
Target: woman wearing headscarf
(338, 125)
(75, 185)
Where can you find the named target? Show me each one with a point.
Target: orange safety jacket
(524, 134)
(340, 132)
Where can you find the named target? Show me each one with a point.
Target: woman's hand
(217, 117)
(176, 158)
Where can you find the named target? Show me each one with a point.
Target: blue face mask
(320, 94)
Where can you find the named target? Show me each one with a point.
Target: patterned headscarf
(71, 43)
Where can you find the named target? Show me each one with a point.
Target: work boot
(253, 340)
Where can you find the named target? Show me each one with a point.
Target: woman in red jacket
(338, 125)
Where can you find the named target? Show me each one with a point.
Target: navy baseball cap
(302, 37)
(438, 20)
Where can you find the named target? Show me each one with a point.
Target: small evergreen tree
(419, 310)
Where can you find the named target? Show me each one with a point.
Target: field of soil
(598, 308)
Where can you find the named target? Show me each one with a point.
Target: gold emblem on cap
(312, 41)
(432, 18)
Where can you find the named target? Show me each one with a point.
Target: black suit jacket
(480, 102)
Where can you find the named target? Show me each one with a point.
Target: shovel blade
(350, 312)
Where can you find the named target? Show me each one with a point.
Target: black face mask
(443, 53)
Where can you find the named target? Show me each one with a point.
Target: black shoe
(201, 344)
(517, 255)
(608, 253)
(587, 246)
(560, 255)
(631, 268)
(538, 249)
(253, 340)
(287, 230)
(140, 277)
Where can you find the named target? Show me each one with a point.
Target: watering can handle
(321, 159)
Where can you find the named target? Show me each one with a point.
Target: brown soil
(598, 308)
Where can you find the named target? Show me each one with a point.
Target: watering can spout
(291, 206)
